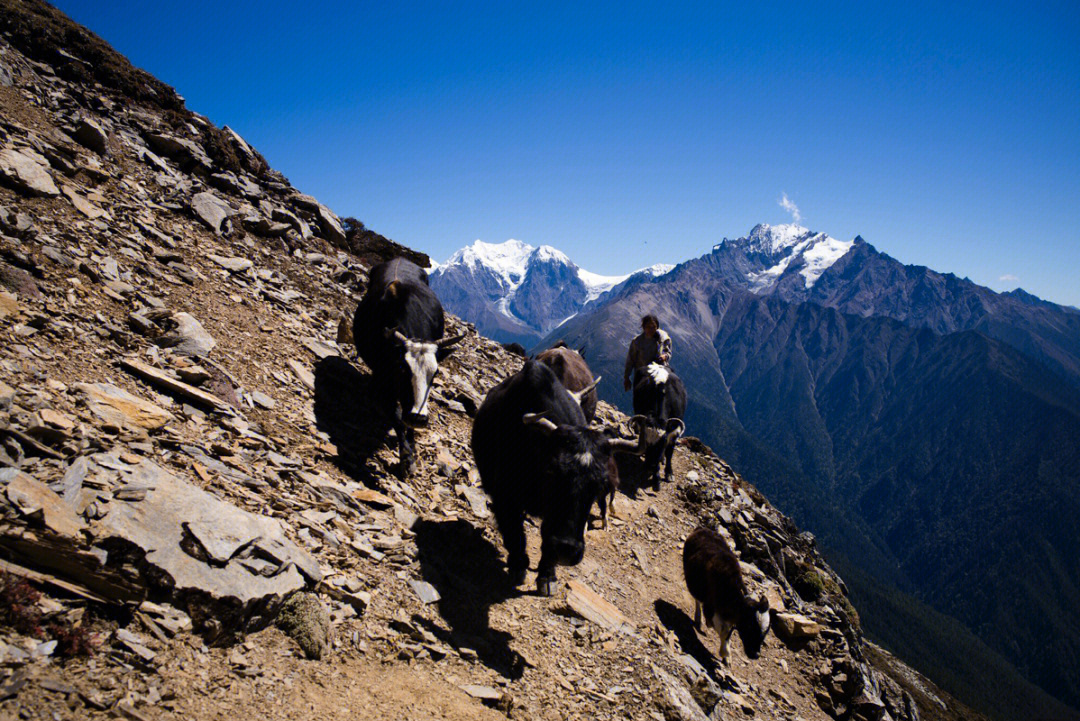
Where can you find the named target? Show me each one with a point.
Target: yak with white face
(398, 330)
(714, 579)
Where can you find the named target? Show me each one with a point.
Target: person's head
(650, 324)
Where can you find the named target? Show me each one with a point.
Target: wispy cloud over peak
(786, 204)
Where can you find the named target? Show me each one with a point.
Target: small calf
(607, 496)
(714, 579)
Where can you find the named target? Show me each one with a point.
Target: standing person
(651, 346)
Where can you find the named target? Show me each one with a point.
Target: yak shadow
(632, 474)
(347, 410)
(674, 619)
(467, 571)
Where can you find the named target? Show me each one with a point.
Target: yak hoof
(546, 586)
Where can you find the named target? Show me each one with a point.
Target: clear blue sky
(630, 134)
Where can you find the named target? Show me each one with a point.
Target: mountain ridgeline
(927, 428)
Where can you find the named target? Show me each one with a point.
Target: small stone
(9, 305)
(91, 135)
(263, 401)
(321, 348)
(233, 265)
(7, 396)
(476, 498)
(588, 604)
(56, 419)
(331, 228)
(33, 497)
(81, 204)
(188, 337)
(194, 375)
(795, 627)
(373, 498)
(134, 644)
(306, 376)
(427, 593)
(483, 693)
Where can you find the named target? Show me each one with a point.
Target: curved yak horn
(446, 342)
(396, 335)
(578, 395)
(624, 445)
(675, 428)
(639, 420)
(538, 420)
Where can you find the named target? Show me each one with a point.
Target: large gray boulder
(228, 568)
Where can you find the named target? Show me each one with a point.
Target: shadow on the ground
(674, 619)
(346, 409)
(469, 574)
(632, 474)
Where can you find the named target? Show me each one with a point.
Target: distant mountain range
(514, 292)
(927, 428)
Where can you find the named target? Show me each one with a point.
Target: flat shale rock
(588, 604)
(675, 699)
(226, 567)
(25, 174)
(32, 497)
(117, 407)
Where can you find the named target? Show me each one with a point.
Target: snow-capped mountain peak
(507, 259)
(774, 239)
(548, 253)
(789, 246)
(520, 290)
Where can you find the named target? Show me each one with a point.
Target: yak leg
(668, 452)
(724, 629)
(602, 502)
(511, 523)
(406, 438)
(545, 572)
(697, 615)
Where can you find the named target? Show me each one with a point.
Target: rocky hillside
(198, 517)
(901, 415)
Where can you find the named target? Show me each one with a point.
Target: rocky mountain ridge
(897, 412)
(198, 515)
